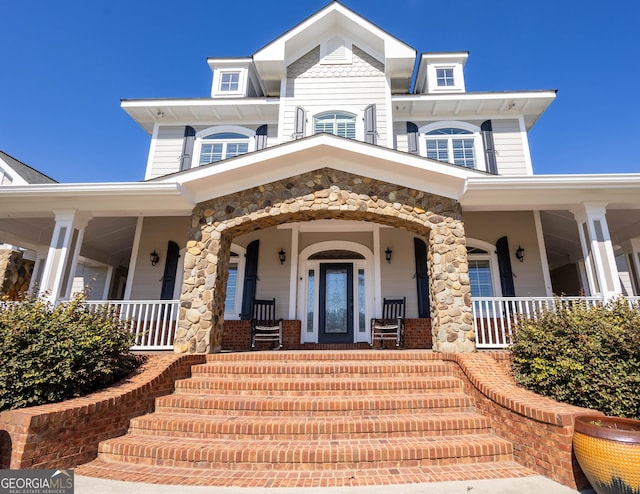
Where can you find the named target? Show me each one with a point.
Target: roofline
(551, 182)
(336, 2)
(478, 94)
(88, 189)
(24, 164)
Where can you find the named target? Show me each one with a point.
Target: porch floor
(311, 419)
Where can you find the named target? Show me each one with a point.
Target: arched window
(222, 145)
(453, 142)
(337, 123)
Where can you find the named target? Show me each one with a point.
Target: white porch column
(600, 261)
(60, 265)
(634, 262)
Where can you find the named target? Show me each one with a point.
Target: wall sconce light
(520, 254)
(387, 255)
(282, 255)
(154, 257)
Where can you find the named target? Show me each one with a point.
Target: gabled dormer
(336, 29)
(441, 73)
(234, 78)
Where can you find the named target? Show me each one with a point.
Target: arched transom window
(222, 145)
(452, 145)
(337, 123)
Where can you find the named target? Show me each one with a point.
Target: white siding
(398, 275)
(510, 155)
(350, 88)
(519, 227)
(167, 152)
(90, 280)
(156, 233)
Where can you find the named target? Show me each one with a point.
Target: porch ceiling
(107, 240)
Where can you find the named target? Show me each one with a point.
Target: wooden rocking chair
(264, 325)
(391, 325)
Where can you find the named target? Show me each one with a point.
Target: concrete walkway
(525, 485)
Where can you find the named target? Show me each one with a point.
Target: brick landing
(313, 419)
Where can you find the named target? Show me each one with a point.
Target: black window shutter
(489, 148)
(250, 279)
(412, 137)
(370, 124)
(187, 148)
(261, 137)
(504, 264)
(170, 269)
(300, 125)
(422, 277)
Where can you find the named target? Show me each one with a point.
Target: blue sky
(66, 65)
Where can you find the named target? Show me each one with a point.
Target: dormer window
(340, 124)
(444, 77)
(229, 82)
(223, 145)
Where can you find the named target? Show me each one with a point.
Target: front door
(336, 303)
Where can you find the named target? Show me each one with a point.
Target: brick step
(381, 404)
(310, 355)
(323, 478)
(305, 455)
(314, 369)
(414, 424)
(319, 386)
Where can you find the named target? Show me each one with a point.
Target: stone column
(206, 262)
(451, 315)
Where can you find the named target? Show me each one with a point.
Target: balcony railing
(495, 317)
(152, 322)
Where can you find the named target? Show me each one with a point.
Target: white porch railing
(152, 322)
(494, 317)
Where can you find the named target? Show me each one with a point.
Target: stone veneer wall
(323, 194)
(15, 274)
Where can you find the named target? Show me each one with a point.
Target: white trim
(293, 269)
(134, 257)
(304, 264)
(478, 148)
(357, 112)
(152, 151)
(388, 103)
(107, 282)
(217, 81)
(544, 262)
(220, 129)
(241, 260)
(525, 145)
(492, 257)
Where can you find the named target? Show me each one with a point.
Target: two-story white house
(323, 173)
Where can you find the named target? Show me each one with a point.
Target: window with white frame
(233, 298)
(222, 145)
(444, 77)
(452, 145)
(483, 275)
(229, 82)
(337, 123)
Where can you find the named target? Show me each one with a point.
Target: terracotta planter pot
(608, 451)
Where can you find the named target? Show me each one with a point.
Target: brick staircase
(284, 419)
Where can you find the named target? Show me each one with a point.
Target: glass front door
(336, 303)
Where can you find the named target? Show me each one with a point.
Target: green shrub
(49, 354)
(585, 356)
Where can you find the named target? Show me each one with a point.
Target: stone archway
(324, 194)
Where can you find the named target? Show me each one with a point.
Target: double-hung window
(223, 145)
(340, 124)
(452, 145)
